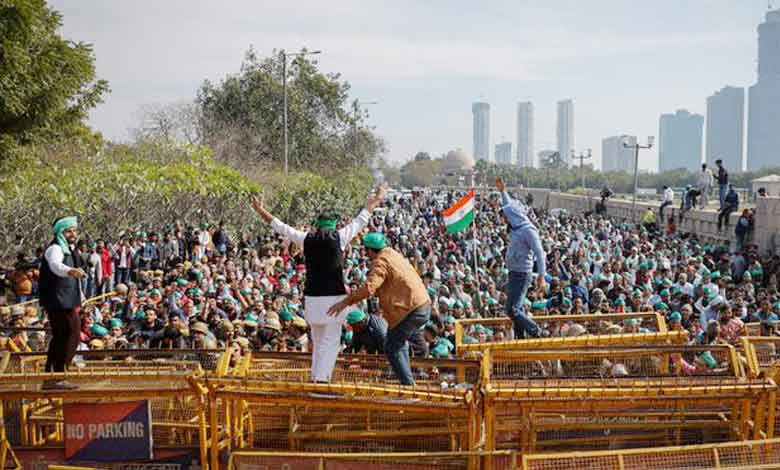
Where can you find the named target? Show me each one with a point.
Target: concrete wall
(702, 223)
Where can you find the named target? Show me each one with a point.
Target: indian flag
(461, 215)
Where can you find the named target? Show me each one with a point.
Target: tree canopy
(47, 83)
(243, 115)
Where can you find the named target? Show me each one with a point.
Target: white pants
(325, 333)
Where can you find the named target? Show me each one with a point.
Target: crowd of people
(187, 287)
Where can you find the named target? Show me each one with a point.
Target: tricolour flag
(461, 215)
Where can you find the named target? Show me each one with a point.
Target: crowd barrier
(745, 455)
(242, 460)
(616, 340)
(557, 325)
(596, 398)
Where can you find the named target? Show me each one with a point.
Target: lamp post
(582, 157)
(636, 146)
(284, 99)
(355, 126)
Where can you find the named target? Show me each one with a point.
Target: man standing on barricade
(60, 297)
(323, 250)
(524, 245)
(403, 300)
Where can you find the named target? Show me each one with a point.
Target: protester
(729, 204)
(667, 199)
(723, 182)
(402, 296)
(61, 297)
(704, 185)
(323, 251)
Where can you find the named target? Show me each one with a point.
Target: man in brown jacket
(403, 300)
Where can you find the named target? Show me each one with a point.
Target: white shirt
(668, 195)
(346, 233)
(55, 257)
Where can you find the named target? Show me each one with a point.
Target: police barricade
(242, 460)
(597, 398)
(762, 356)
(267, 415)
(490, 330)
(35, 416)
(358, 368)
(744, 455)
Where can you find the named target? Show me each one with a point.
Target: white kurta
(325, 330)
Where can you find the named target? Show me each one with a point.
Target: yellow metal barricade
(745, 455)
(380, 461)
(368, 418)
(558, 325)
(616, 340)
(596, 398)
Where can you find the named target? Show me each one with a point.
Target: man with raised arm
(524, 247)
(323, 249)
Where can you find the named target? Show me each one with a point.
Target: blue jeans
(397, 345)
(722, 190)
(516, 289)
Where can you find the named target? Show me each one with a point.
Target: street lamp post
(636, 148)
(582, 157)
(284, 98)
(355, 126)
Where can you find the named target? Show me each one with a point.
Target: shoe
(58, 385)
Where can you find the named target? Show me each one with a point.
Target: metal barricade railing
(311, 417)
(559, 325)
(595, 398)
(617, 340)
(745, 455)
(502, 460)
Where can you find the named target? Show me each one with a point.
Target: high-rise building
(680, 141)
(726, 128)
(481, 114)
(763, 110)
(565, 129)
(615, 156)
(504, 153)
(525, 134)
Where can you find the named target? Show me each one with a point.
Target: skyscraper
(481, 114)
(615, 156)
(504, 153)
(764, 112)
(565, 129)
(680, 141)
(525, 134)
(726, 128)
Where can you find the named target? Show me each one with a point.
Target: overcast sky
(622, 62)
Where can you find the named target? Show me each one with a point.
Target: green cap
(620, 302)
(181, 282)
(374, 241)
(664, 293)
(285, 315)
(675, 317)
(440, 351)
(706, 357)
(98, 330)
(115, 323)
(355, 316)
(540, 305)
(715, 276)
(632, 322)
(661, 306)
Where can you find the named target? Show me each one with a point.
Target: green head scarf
(59, 228)
(326, 224)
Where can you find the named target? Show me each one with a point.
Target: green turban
(675, 317)
(285, 315)
(59, 229)
(115, 323)
(355, 316)
(374, 241)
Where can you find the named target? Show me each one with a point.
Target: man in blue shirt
(524, 245)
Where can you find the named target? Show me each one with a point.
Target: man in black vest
(60, 297)
(323, 250)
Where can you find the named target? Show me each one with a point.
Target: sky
(622, 62)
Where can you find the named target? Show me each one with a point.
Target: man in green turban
(60, 297)
(323, 250)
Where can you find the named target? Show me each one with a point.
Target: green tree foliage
(47, 83)
(242, 116)
(421, 172)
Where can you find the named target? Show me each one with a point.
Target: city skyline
(726, 128)
(516, 52)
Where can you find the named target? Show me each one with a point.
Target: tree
(242, 115)
(48, 83)
(172, 121)
(422, 157)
